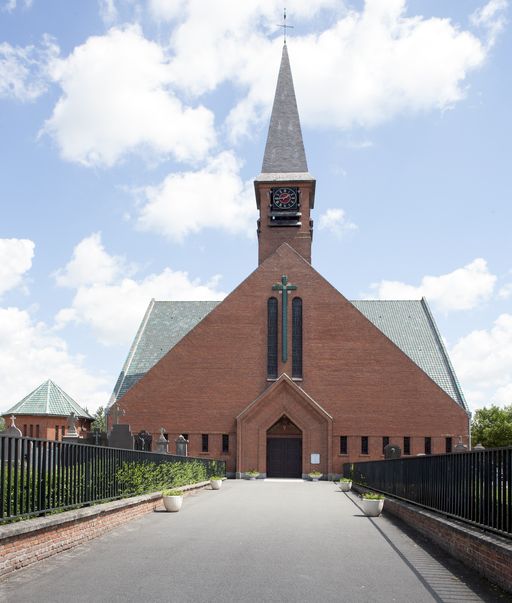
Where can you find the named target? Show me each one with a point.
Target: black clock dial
(284, 198)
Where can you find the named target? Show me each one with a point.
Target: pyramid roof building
(48, 400)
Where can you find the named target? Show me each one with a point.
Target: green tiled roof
(411, 327)
(408, 324)
(163, 325)
(48, 399)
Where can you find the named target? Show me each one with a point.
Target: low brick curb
(25, 542)
(488, 554)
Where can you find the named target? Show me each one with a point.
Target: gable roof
(48, 399)
(408, 324)
(163, 325)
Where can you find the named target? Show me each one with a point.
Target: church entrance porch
(278, 433)
(284, 449)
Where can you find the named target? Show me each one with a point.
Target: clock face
(284, 198)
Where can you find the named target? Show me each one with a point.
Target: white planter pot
(345, 486)
(372, 508)
(172, 503)
(215, 484)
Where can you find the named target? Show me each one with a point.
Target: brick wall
(356, 374)
(26, 542)
(488, 554)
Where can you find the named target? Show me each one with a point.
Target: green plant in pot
(315, 475)
(172, 499)
(345, 484)
(252, 474)
(216, 481)
(372, 503)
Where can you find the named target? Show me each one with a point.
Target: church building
(286, 375)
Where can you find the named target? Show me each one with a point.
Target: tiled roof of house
(48, 399)
(408, 324)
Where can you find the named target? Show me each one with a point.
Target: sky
(131, 132)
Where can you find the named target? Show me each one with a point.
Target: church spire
(284, 151)
(285, 190)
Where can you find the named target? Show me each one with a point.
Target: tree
(2, 424)
(492, 427)
(100, 420)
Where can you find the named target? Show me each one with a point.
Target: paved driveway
(252, 541)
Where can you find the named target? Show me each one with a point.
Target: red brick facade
(355, 383)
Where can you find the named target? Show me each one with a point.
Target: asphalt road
(253, 541)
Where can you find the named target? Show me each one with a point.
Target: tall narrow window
(343, 445)
(448, 444)
(407, 445)
(56, 432)
(272, 338)
(225, 442)
(37, 431)
(428, 445)
(364, 444)
(297, 338)
(385, 442)
(204, 442)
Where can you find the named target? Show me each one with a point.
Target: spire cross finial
(284, 26)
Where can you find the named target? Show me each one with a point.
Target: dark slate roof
(48, 399)
(284, 151)
(163, 325)
(408, 324)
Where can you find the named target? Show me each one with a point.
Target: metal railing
(474, 487)
(42, 476)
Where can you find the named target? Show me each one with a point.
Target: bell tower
(285, 190)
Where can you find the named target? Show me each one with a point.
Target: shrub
(373, 496)
(172, 493)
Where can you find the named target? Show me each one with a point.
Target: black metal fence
(475, 487)
(42, 476)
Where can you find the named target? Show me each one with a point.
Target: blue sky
(131, 130)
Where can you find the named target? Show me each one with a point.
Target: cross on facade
(284, 26)
(283, 287)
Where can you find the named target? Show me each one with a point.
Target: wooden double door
(284, 457)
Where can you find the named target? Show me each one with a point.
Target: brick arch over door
(284, 397)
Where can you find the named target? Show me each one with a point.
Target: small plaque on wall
(315, 458)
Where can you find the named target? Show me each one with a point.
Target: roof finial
(284, 26)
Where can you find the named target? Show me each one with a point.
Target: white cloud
(30, 353)
(117, 99)
(483, 363)
(492, 18)
(462, 289)
(15, 259)
(11, 5)
(90, 264)
(335, 220)
(505, 292)
(114, 305)
(372, 65)
(24, 70)
(212, 197)
(108, 11)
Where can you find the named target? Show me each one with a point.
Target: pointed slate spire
(284, 151)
